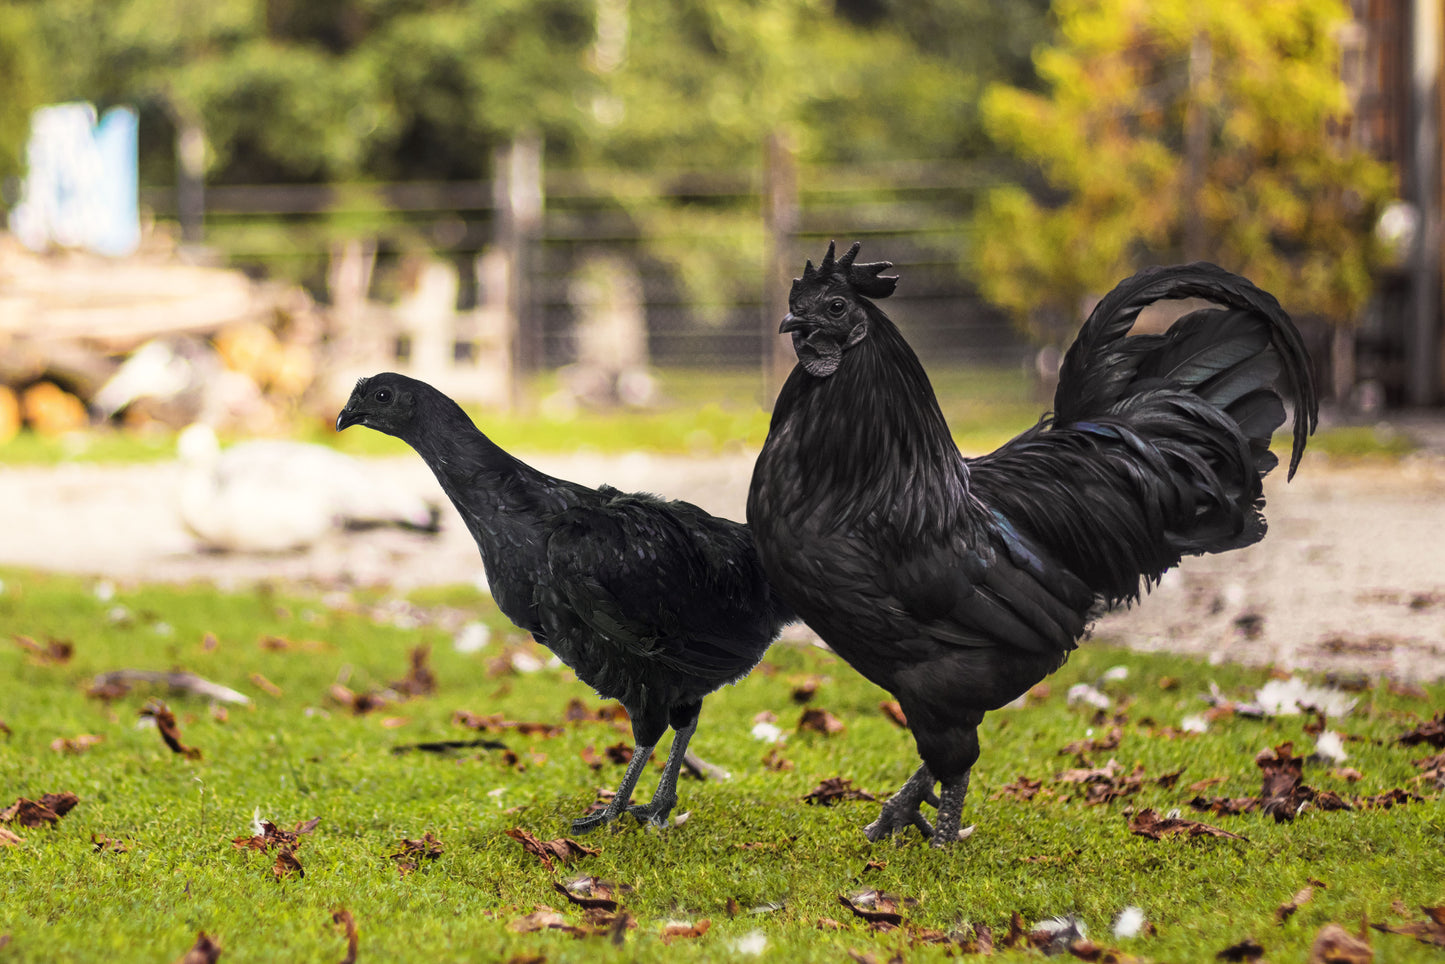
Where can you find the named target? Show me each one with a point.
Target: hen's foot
(901, 810)
(950, 811)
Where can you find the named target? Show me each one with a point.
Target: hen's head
(829, 308)
(387, 402)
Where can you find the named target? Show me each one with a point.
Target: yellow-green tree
(1171, 130)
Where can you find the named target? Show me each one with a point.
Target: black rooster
(652, 603)
(957, 584)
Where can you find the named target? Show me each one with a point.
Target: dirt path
(1351, 577)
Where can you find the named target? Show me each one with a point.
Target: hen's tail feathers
(1236, 357)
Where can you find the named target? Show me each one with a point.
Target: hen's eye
(382, 395)
(836, 307)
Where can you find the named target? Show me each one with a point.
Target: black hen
(959, 583)
(652, 603)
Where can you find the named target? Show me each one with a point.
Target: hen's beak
(791, 322)
(346, 418)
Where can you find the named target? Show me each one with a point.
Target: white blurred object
(272, 496)
(1285, 697)
(1129, 923)
(1084, 693)
(1331, 746)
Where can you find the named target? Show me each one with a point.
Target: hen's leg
(901, 810)
(619, 802)
(665, 798)
(950, 810)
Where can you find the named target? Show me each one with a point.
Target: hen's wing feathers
(663, 580)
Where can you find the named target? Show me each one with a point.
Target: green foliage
(21, 82)
(1283, 196)
(750, 840)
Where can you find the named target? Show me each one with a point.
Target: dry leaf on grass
(76, 744)
(169, 730)
(1302, 896)
(343, 917)
(102, 843)
(1431, 732)
(834, 790)
(8, 838)
(204, 951)
(411, 853)
(1148, 823)
(54, 652)
(1247, 950)
(1094, 744)
(591, 893)
(1335, 945)
(894, 711)
(544, 918)
(877, 908)
(265, 685)
(563, 849)
(805, 687)
(817, 720)
(447, 746)
(1429, 931)
(1022, 789)
(419, 679)
(496, 722)
(38, 813)
(677, 929)
(775, 761)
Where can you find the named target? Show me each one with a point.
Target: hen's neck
(870, 438)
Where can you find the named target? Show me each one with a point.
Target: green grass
(299, 755)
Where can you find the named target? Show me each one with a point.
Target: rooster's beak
(346, 418)
(791, 322)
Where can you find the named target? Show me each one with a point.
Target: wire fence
(912, 214)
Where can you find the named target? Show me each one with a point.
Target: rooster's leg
(619, 802)
(901, 810)
(950, 810)
(665, 798)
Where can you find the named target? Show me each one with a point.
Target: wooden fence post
(517, 183)
(780, 220)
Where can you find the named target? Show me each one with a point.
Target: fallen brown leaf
(876, 907)
(411, 853)
(1286, 910)
(805, 687)
(1348, 774)
(204, 951)
(1248, 949)
(834, 790)
(1148, 823)
(981, 943)
(169, 730)
(1432, 770)
(265, 685)
(775, 761)
(419, 679)
(1431, 732)
(8, 838)
(497, 722)
(816, 720)
(38, 813)
(1022, 789)
(591, 893)
(1429, 931)
(54, 652)
(76, 744)
(1094, 744)
(1335, 945)
(894, 712)
(678, 930)
(562, 849)
(342, 916)
(287, 864)
(544, 918)
(102, 843)
(619, 753)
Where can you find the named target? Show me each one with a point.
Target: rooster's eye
(836, 307)
(382, 395)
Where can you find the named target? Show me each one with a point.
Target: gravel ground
(1351, 577)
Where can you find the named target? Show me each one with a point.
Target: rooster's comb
(866, 279)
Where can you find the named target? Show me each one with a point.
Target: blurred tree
(22, 81)
(1175, 130)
